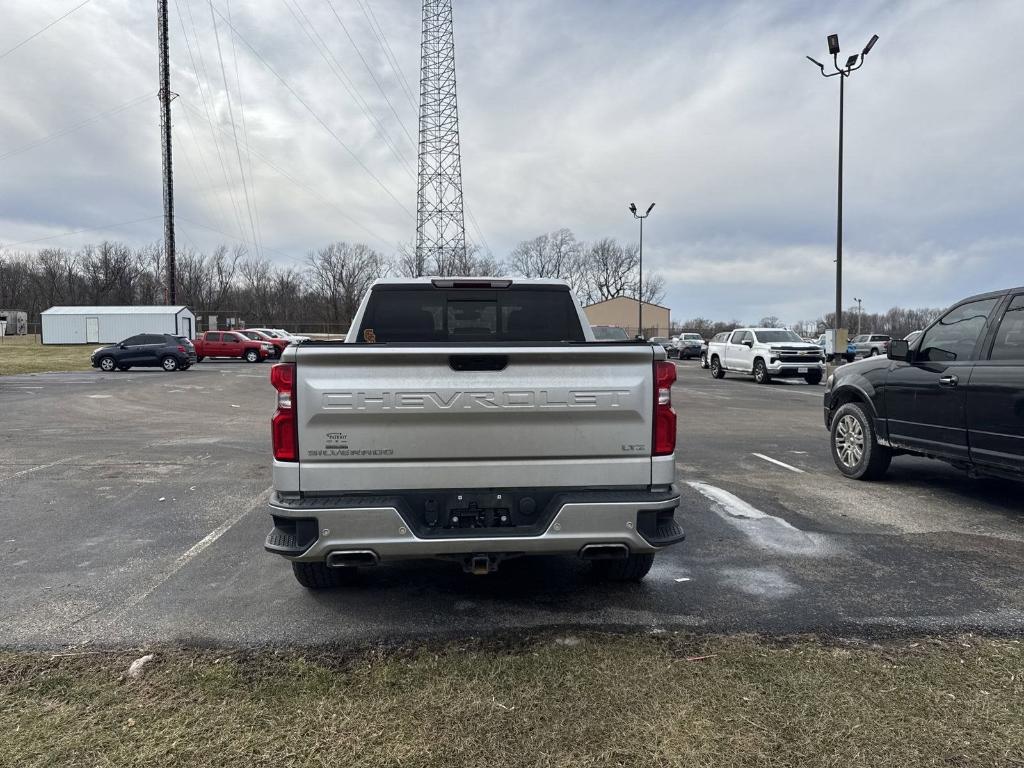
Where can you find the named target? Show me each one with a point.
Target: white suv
(767, 353)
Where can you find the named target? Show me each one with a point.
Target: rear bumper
(308, 530)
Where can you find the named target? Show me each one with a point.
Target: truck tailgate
(399, 417)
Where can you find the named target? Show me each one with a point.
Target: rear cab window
(425, 313)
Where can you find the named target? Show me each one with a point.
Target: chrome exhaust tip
(604, 552)
(352, 558)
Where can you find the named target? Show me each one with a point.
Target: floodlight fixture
(870, 45)
(632, 208)
(651, 208)
(851, 61)
(815, 62)
(833, 44)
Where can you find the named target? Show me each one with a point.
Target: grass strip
(592, 700)
(24, 354)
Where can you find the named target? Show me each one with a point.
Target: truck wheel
(632, 568)
(717, 372)
(874, 352)
(169, 364)
(252, 356)
(200, 359)
(813, 378)
(761, 372)
(319, 576)
(855, 449)
(704, 360)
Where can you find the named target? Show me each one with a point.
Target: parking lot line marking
(37, 468)
(734, 506)
(780, 463)
(195, 550)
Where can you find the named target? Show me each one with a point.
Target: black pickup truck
(955, 393)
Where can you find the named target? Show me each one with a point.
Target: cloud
(568, 112)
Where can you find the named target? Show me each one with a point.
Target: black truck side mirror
(899, 349)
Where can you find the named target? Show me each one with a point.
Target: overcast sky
(570, 109)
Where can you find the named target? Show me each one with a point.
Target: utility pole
(853, 63)
(165, 150)
(640, 287)
(440, 226)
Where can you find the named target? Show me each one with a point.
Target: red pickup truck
(231, 344)
(278, 343)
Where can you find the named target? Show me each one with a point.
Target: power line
(206, 106)
(319, 119)
(245, 134)
(239, 239)
(82, 124)
(369, 70)
(347, 83)
(80, 231)
(267, 161)
(378, 30)
(34, 35)
(234, 130)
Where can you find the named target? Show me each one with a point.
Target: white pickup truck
(472, 420)
(766, 353)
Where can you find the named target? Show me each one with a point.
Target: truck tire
(319, 576)
(200, 359)
(761, 372)
(717, 371)
(252, 356)
(632, 568)
(704, 360)
(813, 378)
(854, 446)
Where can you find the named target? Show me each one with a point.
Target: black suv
(955, 393)
(163, 350)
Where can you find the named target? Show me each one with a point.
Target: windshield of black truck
(450, 316)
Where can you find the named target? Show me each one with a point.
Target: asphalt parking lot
(133, 511)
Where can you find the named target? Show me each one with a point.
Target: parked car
(232, 344)
(870, 344)
(275, 341)
(766, 353)
(689, 345)
(704, 362)
(609, 333)
(281, 333)
(501, 429)
(954, 393)
(666, 342)
(851, 351)
(153, 350)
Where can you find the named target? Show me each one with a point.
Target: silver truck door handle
(949, 381)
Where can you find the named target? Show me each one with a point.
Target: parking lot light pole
(860, 312)
(853, 63)
(640, 288)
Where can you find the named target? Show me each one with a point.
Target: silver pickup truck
(472, 420)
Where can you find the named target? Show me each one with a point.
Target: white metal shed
(108, 325)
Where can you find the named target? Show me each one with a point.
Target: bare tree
(339, 275)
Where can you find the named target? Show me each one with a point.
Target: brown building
(622, 312)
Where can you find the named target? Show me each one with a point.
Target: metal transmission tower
(440, 226)
(165, 150)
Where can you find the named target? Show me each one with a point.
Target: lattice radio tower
(440, 226)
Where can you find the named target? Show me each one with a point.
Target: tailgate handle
(477, 362)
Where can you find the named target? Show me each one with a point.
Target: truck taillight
(664, 442)
(284, 427)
